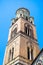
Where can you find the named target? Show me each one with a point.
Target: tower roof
(24, 9)
(22, 12)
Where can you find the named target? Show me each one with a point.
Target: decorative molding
(18, 59)
(26, 21)
(20, 33)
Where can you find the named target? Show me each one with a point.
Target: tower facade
(22, 46)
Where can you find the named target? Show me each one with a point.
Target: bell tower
(22, 46)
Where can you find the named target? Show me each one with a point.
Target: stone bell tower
(22, 46)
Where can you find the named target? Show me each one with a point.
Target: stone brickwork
(20, 42)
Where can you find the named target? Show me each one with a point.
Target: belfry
(22, 47)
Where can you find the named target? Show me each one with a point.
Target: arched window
(28, 30)
(26, 18)
(13, 33)
(12, 52)
(9, 57)
(28, 53)
(31, 22)
(20, 15)
(31, 54)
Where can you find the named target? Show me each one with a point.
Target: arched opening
(9, 57)
(20, 15)
(12, 52)
(25, 29)
(28, 30)
(31, 22)
(26, 18)
(31, 32)
(28, 53)
(14, 32)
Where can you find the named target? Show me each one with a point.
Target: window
(12, 52)
(25, 29)
(9, 58)
(26, 18)
(31, 33)
(21, 15)
(28, 30)
(13, 33)
(31, 54)
(28, 53)
(31, 21)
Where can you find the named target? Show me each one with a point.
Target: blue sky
(7, 12)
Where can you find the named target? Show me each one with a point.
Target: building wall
(21, 42)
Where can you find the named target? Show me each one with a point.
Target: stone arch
(28, 29)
